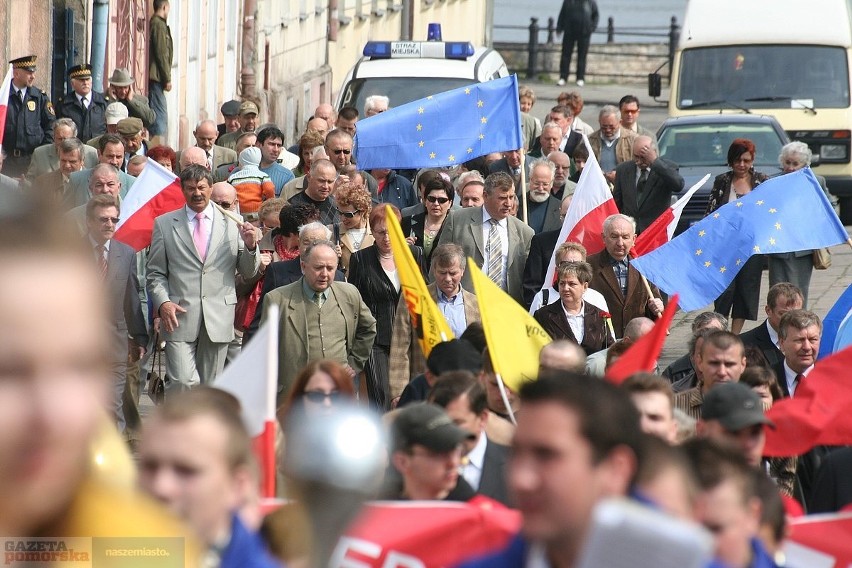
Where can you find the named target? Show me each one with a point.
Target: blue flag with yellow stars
(446, 129)
(784, 214)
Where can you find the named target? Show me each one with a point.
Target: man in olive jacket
(161, 53)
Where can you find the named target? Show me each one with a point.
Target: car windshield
(707, 144)
(764, 76)
(400, 90)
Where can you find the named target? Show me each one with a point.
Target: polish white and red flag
(5, 88)
(663, 228)
(591, 205)
(253, 379)
(156, 191)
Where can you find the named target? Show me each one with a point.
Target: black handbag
(156, 378)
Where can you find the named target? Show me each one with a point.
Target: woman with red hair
(740, 300)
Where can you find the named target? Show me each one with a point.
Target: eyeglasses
(338, 152)
(224, 204)
(438, 200)
(105, 220)
(320, 396)
(348, 214)
(540, 184)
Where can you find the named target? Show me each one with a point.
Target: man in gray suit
(46, 157)
(497, 242)
(195, 254)
(110, 151)
(116, 263)
(206, 134)
(320, 319)
(543, 208)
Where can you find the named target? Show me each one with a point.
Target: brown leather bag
(822, 259)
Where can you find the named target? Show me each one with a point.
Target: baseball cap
(454, 355)
(115, 112)
(735, 406)
(428, 425)
(248, 107)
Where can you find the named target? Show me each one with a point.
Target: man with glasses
(563, 187)
(543, 208)
(338, 148)
(629, 107)
(318, 192)
(116, 265)
(612, 143)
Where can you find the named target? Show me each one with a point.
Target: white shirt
(208, 222)
(472, 470)
(790, 377)
(503, 231)
(106, 249)
(21, 93)
(773, 335)
(80, 99)
(594, 297)
(393, 276)
(575, 321)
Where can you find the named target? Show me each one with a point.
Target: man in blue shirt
(270, 140)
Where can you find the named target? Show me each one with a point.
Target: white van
(774, 57)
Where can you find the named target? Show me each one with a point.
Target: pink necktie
(199, 235)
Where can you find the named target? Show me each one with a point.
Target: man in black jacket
(87, 108)
(577, 20)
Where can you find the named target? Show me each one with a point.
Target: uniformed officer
(29, 118)
(87, 108)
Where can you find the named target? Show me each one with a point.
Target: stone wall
(606, 62)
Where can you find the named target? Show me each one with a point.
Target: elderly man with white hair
(794, 267)
(375, 104)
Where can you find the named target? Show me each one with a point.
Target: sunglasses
(338, 152)
(224, 204)
(319, 396)
(348, 214)
(439, 200)
(113, 220)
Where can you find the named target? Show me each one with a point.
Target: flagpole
(505, 398)
(269, 467)
(524, 185)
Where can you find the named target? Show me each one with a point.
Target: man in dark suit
(644, 187)
(832, 489)
(116, 263)
(462, 396)
(543, 210)
(29, 118)
(782, 298)
(799, 333)
(615, 278)
(86, 107)
(481, 230)
(564, 117)
(510, 164)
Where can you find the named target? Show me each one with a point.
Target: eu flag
(444, 129)
(784, 214)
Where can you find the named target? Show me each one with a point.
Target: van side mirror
(655, 85)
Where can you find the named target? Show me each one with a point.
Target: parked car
(699, 145)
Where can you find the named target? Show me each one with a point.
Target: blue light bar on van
(418, 49)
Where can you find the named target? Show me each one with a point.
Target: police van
(405, 71)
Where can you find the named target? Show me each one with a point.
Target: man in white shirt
(799, 334)
(463, 397)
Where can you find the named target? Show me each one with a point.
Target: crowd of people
(303, 229)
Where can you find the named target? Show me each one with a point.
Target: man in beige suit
(481, 231)
(206, 134)
(320, 319)
(46, 158)
(195, 254)
(458, 306)
(56, 184)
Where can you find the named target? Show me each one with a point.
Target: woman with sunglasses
(373, 271)
(317, 388)
(426, 227)
(353, 207)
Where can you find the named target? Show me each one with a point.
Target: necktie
(318, 299)
(640, 185)
(85, 102)
(209, 161)
(199, 235)
(494, 248)
(796, 382)
(100, 251)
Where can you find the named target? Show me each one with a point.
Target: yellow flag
(426, 319)
(514, 337)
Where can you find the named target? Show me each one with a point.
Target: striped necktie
(494, 248)
(100, 251)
